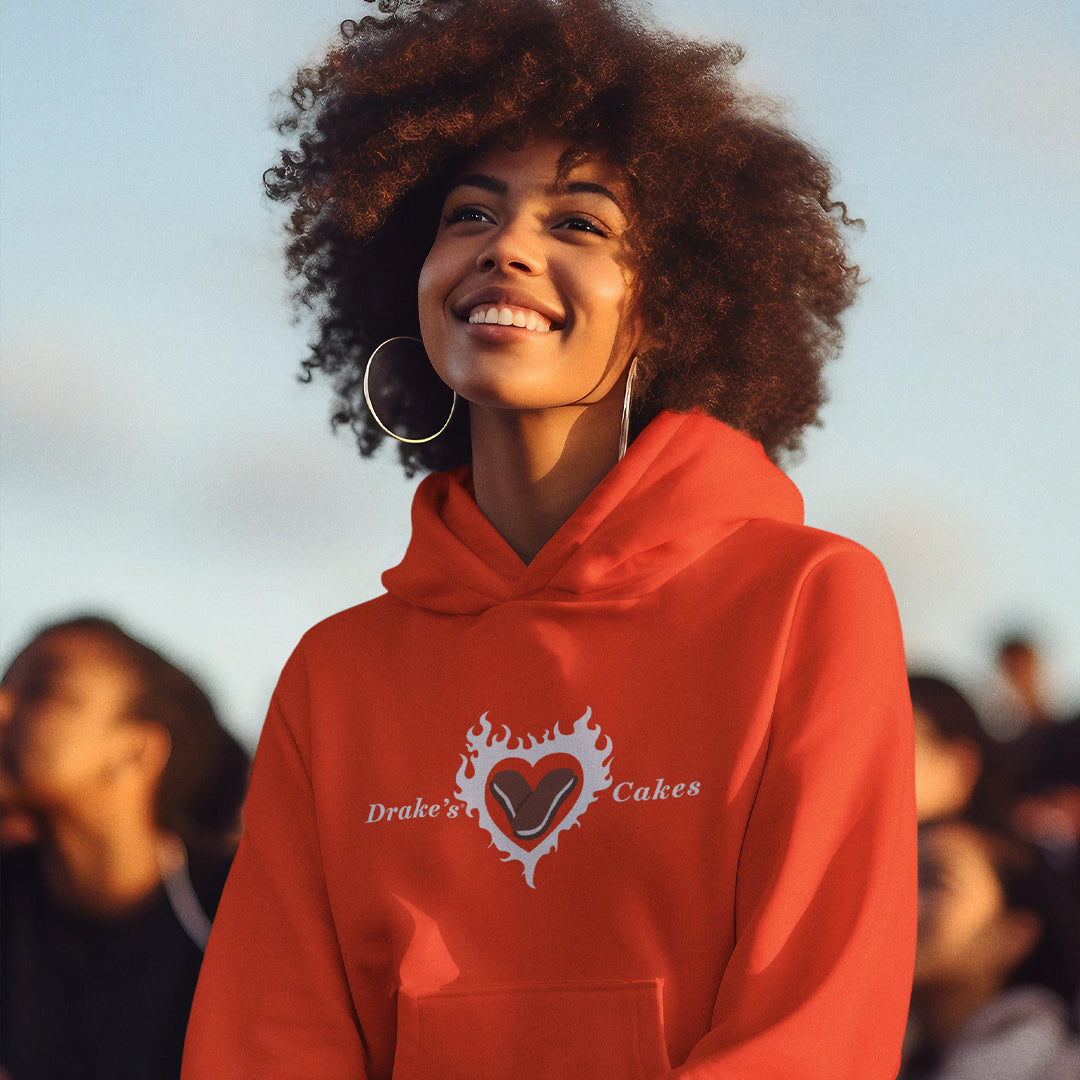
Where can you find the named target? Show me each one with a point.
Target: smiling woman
(616, 778)
(515, 245)
(519, 245)
(727, 212)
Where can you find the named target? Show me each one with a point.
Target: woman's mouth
(502, 315)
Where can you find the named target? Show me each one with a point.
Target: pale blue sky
(160, 462)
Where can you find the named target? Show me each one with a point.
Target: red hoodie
(646, 802)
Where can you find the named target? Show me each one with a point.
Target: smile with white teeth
(493, 315)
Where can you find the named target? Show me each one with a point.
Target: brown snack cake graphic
(531, 812)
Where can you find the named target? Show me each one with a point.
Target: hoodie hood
(686, 482)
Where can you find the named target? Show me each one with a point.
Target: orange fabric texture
(641, 808)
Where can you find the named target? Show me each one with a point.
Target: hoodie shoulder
(789, 556)
(346, 630)
(804, 541)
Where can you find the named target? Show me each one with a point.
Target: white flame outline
(587, 744)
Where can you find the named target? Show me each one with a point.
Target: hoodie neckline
(685, 483)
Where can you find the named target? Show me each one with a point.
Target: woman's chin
(502, 400)
(501, 390)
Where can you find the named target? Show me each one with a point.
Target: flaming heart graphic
(526, 792)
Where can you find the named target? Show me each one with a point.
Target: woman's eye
(465, 213)
(582, 224)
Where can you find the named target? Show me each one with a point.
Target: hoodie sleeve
(272, 999)
(818, 985)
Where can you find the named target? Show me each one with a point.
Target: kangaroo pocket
(562, 1031)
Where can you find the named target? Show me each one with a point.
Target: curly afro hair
(731, 218)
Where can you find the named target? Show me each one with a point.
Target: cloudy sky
(161, 463)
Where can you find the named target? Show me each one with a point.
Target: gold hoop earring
(396, 390)
(624, 433)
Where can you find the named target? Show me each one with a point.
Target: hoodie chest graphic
(525, 792)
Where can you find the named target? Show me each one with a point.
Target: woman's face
(966, 933)
(65, 703)
(525, 298)
(945, 770)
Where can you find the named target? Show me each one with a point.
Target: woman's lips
(504, 315)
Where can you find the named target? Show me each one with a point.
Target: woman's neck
(532, 470)
(107, 867)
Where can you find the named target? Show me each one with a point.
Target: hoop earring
(387, 393)
(624, 433)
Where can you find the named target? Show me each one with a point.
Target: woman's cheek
(433, 291)
(430, 310)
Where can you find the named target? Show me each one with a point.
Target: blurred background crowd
(120, 807)
(997, 971)
(162, 467)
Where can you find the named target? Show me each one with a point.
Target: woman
(615, 779)
(134, 792)
(997, 967)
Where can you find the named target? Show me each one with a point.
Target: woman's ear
(146, 748)
(155, 747)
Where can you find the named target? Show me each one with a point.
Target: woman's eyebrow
(500, 187)
(481, 180)
(577, 187)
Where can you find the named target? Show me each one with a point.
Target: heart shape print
(532, 799)
(526, 792)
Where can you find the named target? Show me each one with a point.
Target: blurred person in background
(1017, 699)
(117, 771)
(997, 967)
(958, 768)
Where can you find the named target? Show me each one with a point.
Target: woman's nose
(515, 247)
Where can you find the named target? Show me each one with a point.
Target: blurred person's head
(1019, 660)
(992, 915)
(951, 749)
(96, 722)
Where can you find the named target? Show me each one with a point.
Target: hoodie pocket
(551, 1031)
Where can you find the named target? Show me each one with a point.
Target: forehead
(536, 166)
(64, 654)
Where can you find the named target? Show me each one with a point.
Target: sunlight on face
(964, 931)
(67, 701)
(525, 298)
(945, 770)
